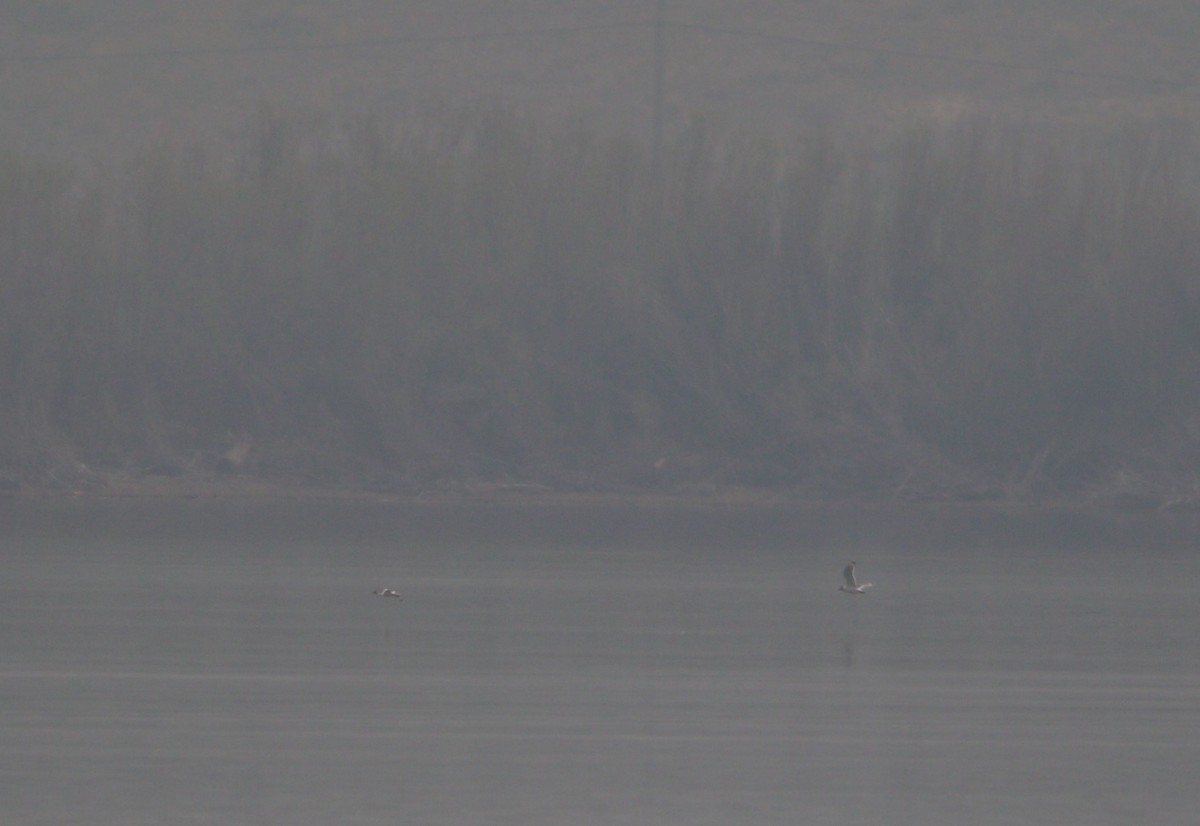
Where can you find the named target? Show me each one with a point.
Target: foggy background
(793, 264)
(912, 248)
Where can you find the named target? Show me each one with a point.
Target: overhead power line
(1009, 65)
(344, 45)
(658, 25)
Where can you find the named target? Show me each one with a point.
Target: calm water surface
(221, 664)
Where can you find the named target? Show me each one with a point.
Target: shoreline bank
(99, 486)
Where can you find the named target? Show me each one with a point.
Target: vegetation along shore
(472, 301)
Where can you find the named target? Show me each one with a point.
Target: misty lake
(222, 663)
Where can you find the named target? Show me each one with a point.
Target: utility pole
(660, 57)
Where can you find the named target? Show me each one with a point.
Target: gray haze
(889, 249)
(859, 252)
(77, 77)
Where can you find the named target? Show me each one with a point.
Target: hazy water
(206, 664)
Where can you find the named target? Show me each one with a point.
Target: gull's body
(852, 586)
(385, 592)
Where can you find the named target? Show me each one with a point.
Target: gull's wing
(848, 573)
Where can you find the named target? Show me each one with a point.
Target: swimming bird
(385, 592)
(852, 586)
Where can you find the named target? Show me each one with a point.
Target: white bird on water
(852, 586)
(385, 592)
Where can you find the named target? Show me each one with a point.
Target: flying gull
(385, 592)
(852, 586)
